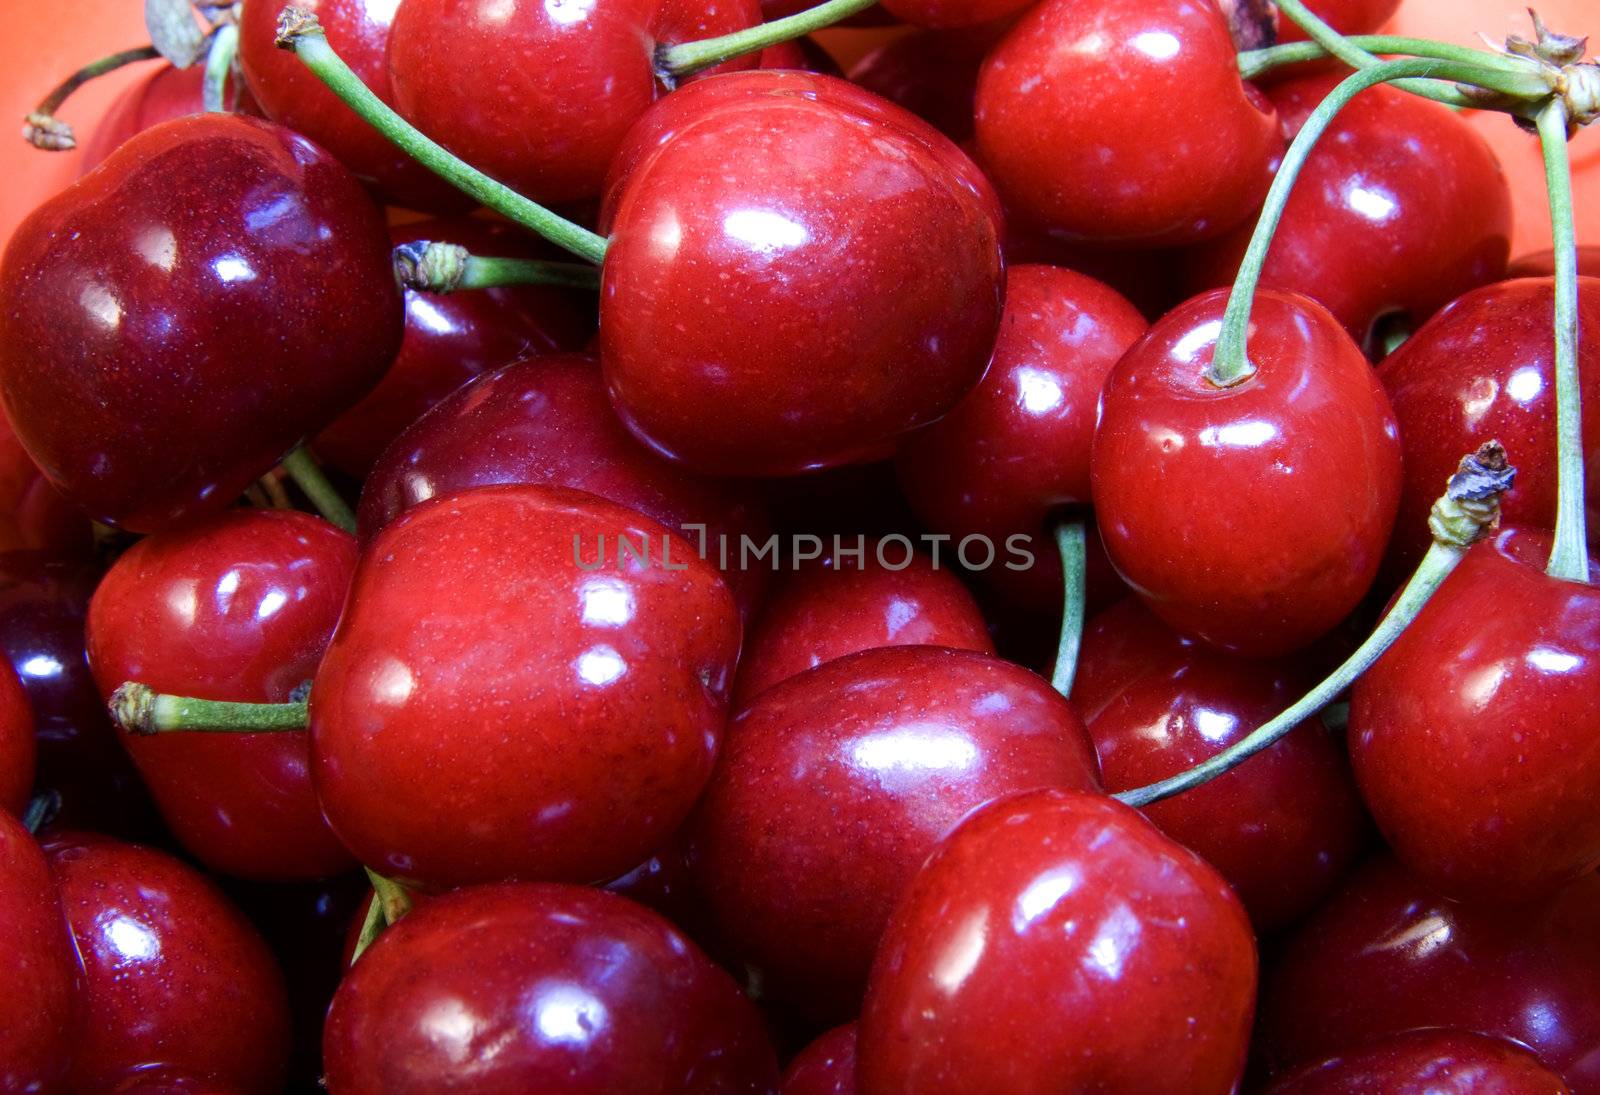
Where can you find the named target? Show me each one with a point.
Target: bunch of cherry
(1056, 563)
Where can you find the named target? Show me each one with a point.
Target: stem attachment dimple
(141, 710)
(1070, 543)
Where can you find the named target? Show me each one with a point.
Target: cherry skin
(953, 13)
(17, 747)
(34, 516)
(37, 966)
(1281, 828)
(1387, 955)
(1483, 369)
(1427, 1062)
(1476, 737)
(1076, 122)
(795, 281)
(826, 1067)
(833, 787)
(453, 338)
(165, 94)
(1254, 516)
(1015, 452)
(1057, 942)
(584, 696)
(556, 989)
(840, 604)
(546, 421)
(235, 607)
(566, 82)
(173, 974)
(1401, 208)
(932, 73)
(175, 322)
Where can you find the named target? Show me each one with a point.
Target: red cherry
(953, 13)
(842, 289)
(826, 1067)
(17, 748)
(174, 976)
(1427, 1062)
(932, 73)
(165, 94)
(1483, 370)
(174, 323)
(1252, 516)
(472, 76)
(37, 966)
(1387, 955)
(34, 516)
(521, 988)
(833, 787)
(450, 339)
(1401, 209)
(237, 607)
(1078, 126)
(583, 697)
(546, 422)
(839, 604)
(1542, 264)
(1344, 16)
(1058, 942)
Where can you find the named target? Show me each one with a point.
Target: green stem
(1070, 544)
(390, 901)
(299, 31)
(1570, 558)
(219, 63)
(139, 709)
(434, 266)
(372, 926)
(1258, 62)
(44, 130)
(673, 63)
(307, 475)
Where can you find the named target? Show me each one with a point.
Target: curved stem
(299, 31)
(433, 266)
(139, 709)
(1258, 62)
(219, 63)
(307, 475)
(45, 131)
(673, 63)
(1070, 543)
(1570, 558)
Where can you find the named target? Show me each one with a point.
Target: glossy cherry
(1483, 369)
(1057, 942)
(1427, 1062)
(932, 73)
(1387, 955)
(174, 976)
(1252, 516)
(826, 1067)
(175, 322)
(1078, 125)
(37, 967)
(450, 339)
(502, 990)
(1401, 208)
(165, 94)
(584, 696)
(34, 515)
(546, 421)
(839, 604)
(17, 746)
(797, 279)
(833, 787)
(236, 607)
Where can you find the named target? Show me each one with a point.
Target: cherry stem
(673, 63)
(299, 31)
(44, 130)
(1230, 363)
(307, 475)
(1569, 560)
(433, 266)
(139, 709)
(1469, 509)
(1070, 544)
(390, 901)
(219, 63)
(273, 494)
(1256, 63)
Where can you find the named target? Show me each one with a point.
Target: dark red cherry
(826, 1067)
(1476, 737)
(1345, 16)
(37, 966)
(834, 786)
(932, 73)
(546, 422)
(165, 94)
(1401, 208)
(1057, 942)
(235, 607)
(1483, 370)
(1252, 516)
(1387, 955)
(17, 747)
(173, 975)
(292, 96)
(1079, 128)
(1281, 828)
(966, 14)
(450, 339)
(840, 603)
(1440, 1061)
(1542, 264)
(34, 515)
(584, 695)
(175, 322)
(795, 280)
(585, 72)
(663, 883)
(504, 990)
